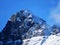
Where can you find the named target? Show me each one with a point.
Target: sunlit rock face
(23, 26)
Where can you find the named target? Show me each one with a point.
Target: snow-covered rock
(52, 40)
(39, 40)
(33, 41)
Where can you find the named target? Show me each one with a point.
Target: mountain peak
(24, 25)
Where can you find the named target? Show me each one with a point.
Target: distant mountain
(23, 27)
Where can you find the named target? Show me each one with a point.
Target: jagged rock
(55, 30)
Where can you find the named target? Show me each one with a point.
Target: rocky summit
(24, 28)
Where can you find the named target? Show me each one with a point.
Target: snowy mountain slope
(51, 40)
(33, 40)
(45, 39)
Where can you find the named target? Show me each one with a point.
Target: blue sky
(41, 8)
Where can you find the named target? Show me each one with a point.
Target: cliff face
(23, 25)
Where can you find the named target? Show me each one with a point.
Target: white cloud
(55, 14)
